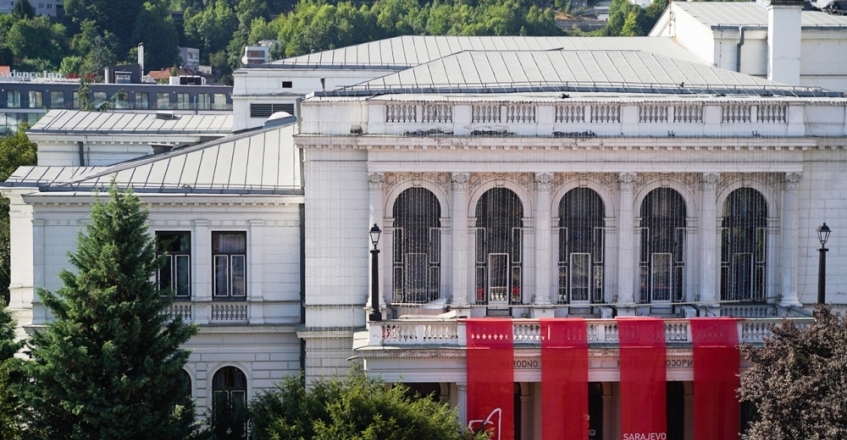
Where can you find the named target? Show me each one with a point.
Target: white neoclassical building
(515, 180)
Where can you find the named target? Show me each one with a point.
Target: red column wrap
(643, 379)
(564, 379)
(491, 376)
(716, 369)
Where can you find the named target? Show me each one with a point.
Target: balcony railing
(527, 332)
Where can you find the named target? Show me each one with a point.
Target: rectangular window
(204, 101)
(13, 99)
(183, 101)
(220, 101)
(163, 101)
(287, 84)
(76, 100)
(229, 262)
(98, 99)
(175, 275)
(121, 100)
(57, 99)
(142, 101)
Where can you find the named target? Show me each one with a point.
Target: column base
(627, 311)
(538, 312)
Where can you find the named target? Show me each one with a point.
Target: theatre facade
(569, 261)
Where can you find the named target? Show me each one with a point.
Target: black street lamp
(375, 315)
(823, 236)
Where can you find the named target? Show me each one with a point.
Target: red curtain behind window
(643, 378)
(491, 376)
(716, 369)
(564, 379)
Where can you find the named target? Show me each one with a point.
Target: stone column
(626, 245)
(708, 249)
(375, 181)
(201, 286)
(39, 313)
(542, 238)
(789, 241)
(460, 238)
(254, 276)
(462, 402)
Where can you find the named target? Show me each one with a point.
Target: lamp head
(375, 233)
(823, 234)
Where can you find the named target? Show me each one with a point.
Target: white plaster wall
(822, 198)
(692, 35)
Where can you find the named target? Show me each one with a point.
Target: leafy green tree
(156, 29)
(630, 26)
(109, 366)
(348, 408)
(23, 10)
(109, 16)
(15, 151)
(798, 381)
(212, 28)
(10, 378)
(37, 38)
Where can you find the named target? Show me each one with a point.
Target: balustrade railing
(229, 312)
(442, 332)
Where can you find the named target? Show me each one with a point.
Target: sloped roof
(410, 51)
(554, 70)
(739, 14)
(258, 162)
(83, 122)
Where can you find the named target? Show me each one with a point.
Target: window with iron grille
(744, 246)
(662, 256)
(266, 110)
(417, 247)
(499, 237)
(580, 267)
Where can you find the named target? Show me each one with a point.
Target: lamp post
(823, 236)
(375, 315)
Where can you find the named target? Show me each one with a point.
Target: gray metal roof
(409, 51)
(258, 162)
(738, 14)
(556, 70)
(78, 121)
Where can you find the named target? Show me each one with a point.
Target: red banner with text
(564, 379)
(643, 379)
(491, 377)
(716, 369)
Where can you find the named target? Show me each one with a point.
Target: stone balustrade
(434, 332)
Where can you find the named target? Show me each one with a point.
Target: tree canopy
(353, 407)
(110, 364)
(798, 381)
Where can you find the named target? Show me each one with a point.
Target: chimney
(784, 22)
(141, 57)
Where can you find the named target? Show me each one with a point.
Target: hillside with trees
(97, 33)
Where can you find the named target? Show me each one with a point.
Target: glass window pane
(13, 99)
(120, 100)
(98, 98)
(183, 101)
(239, 282)
(183, 275)
(142, 100)
(165, 274)
(220, 101)
(416, 271)
(163, 101)
(563, 284)
(35, 100)
(598, 285)
(498, 276)
(229, 242)
(516, 284)
(661, 278)
(580, 276)
(221, 275)
(76, 100)
(57, 99)
(204, 101)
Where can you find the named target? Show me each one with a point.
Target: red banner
(716, 369)
(643, 378)
(491, 376)
(564, 379)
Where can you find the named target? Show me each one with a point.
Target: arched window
(662, 258)
(185, 387)
(743, 246)
(229, 406)
(581, 224)
(417, 246)
(499, 216)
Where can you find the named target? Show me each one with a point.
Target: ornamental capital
(710, 180)
(460, 180)
(542, 180)
(626, 180)
(792, 180)
(375, 180)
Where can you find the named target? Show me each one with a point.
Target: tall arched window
(417, 246)
(499, 216)
(662, 259)
(229, 404)
(743, 246)
(185, 387)
(581, 224)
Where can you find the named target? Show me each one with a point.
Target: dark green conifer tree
(9, 377)
(109, 366)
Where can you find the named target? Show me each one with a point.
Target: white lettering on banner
(15, 75)
(526, 364)
(473, 425)
(645, 436)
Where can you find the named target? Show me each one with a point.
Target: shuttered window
(266, 110)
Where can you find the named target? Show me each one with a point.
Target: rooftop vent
(166, 115)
